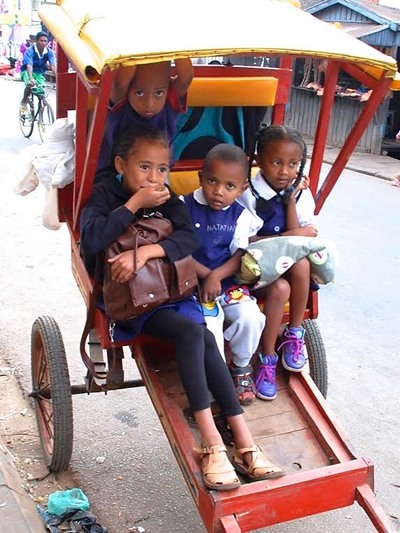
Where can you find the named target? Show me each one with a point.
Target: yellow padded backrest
(232, 91)
(224, 92)
(186, 181)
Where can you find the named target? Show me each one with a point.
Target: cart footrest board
(296, 431)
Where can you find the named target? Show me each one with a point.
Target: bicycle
(40, 111)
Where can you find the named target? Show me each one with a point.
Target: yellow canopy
(101, 33)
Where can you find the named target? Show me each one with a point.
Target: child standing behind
(223, 227)
(145, 95)
(282, 205)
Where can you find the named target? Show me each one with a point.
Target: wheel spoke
(42, 370)
(26, 120)
(45, 119)
(47, 418)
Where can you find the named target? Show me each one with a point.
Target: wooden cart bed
(296, 430)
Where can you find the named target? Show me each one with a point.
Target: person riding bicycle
(37, 58)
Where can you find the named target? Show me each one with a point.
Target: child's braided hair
(267, 134)
(126, 140)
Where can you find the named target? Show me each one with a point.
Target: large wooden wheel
(52, 393)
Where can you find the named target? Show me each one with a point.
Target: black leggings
(200, 365)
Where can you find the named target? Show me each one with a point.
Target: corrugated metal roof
(305, 4)
(361, 29)
(390, 13)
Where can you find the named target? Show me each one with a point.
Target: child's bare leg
(248, 458)
(293, 357)
(218, 471)
(240, 430)
(299, 290)
(276, 296)
(208, 432)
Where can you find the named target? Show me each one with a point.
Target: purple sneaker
(265, 380)
(293, 358)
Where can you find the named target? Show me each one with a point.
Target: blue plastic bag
(67, 500)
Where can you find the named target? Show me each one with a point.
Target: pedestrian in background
(28, 42)
(396, 181)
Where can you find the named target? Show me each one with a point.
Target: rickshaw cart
(297, 430)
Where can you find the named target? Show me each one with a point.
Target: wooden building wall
(304, 108)
(339, 13)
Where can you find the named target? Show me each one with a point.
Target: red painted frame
(347, 479)
(90, 102)
(260, 504)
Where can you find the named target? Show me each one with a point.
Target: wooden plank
(366, 498)
(318, 485)
(295, 452)
(261, 408)
(262, 504)
(282, 423)
(278, 427)
(315, 410)
(228, 524)
(298, 451)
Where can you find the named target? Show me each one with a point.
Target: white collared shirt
(305, 205)
(45, 50)
(246, 224)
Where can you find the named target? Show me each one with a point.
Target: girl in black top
(142, 165)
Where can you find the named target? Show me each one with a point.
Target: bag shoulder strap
(90, 320)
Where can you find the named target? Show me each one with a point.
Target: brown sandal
(218, 472)
(259, 468)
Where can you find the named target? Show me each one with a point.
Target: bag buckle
(111, 328)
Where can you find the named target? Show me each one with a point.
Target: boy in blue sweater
(224, 227)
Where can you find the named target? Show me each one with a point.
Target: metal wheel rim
(46, 119)
(26, 122)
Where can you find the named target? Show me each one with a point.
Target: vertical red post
(321, 133)
(354, 136)
(94, 138)
(62, 70)
(278, 111)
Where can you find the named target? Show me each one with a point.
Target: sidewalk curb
(18, 512)
(363, 171)
(378, 166)
(373, 174)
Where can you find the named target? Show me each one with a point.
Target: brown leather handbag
(156, 283)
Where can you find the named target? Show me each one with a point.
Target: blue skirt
(126, 330)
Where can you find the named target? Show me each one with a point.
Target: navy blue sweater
(105, 217)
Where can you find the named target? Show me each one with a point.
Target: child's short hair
(41, 34)
(228, 153)
(126, 140)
